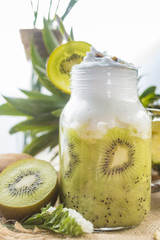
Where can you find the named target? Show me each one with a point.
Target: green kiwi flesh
(109, 177)
(67, 63)
(26, 186)
(61, 61)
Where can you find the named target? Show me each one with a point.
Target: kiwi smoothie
(105, 157)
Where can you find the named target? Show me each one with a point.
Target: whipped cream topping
(98, 70)
(112, 102)
(96, 58)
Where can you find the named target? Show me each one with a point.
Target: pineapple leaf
(36, 58)
(49, 38)
(62, 29)
(69, 7)
(39, 67)
(71, 34)
(7, 109)
(35, 94)
(23, 127)
(38, 95)
(40, 143)
(33, 107)
(47, 84)
(40, 123)
(57, 112)
(43, 78)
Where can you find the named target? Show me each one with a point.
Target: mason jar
(105, 155)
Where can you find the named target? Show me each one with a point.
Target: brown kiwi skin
(20, 213)
(8, 158)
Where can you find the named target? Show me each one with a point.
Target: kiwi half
(61, 61)
(110, 183)
(26, 186)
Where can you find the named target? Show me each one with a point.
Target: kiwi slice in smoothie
(26, 186)
(61, 61)
(71, 158)
(112, 177)
(121, 152)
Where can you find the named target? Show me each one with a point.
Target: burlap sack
(145, 231)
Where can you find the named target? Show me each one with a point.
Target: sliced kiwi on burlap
(26, 186)
(61, 61)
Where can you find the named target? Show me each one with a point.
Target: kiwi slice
(120, 153)
(26, 186)
(70, 157)
(112, 176)
(61, 61)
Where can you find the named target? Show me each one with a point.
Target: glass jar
(105, 157)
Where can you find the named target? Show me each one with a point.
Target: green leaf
(71, 34)
(49, 39)
(68, 9)
(148, 99)
(58, 221)
(40, 69)
(43, 78)
(38, 95)
(57, 112)
(149, 90)
(40, 123)
(40, 143)
(57, 7)
(36, 58)
(35, 12)
(35, 94)
(33, 107)
(62, 28)
(35, 219)
(7, 109)
(47, 84)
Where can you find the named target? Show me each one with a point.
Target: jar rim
(92, 66)
(108, 75)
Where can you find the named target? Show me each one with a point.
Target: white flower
(51, 210)
(87, 226)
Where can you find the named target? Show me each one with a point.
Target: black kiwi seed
(29, 190)
(73, 159)
(65, 65)
(109, 156)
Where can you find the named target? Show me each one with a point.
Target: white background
(125, 28)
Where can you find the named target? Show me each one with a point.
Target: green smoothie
(106, 179)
